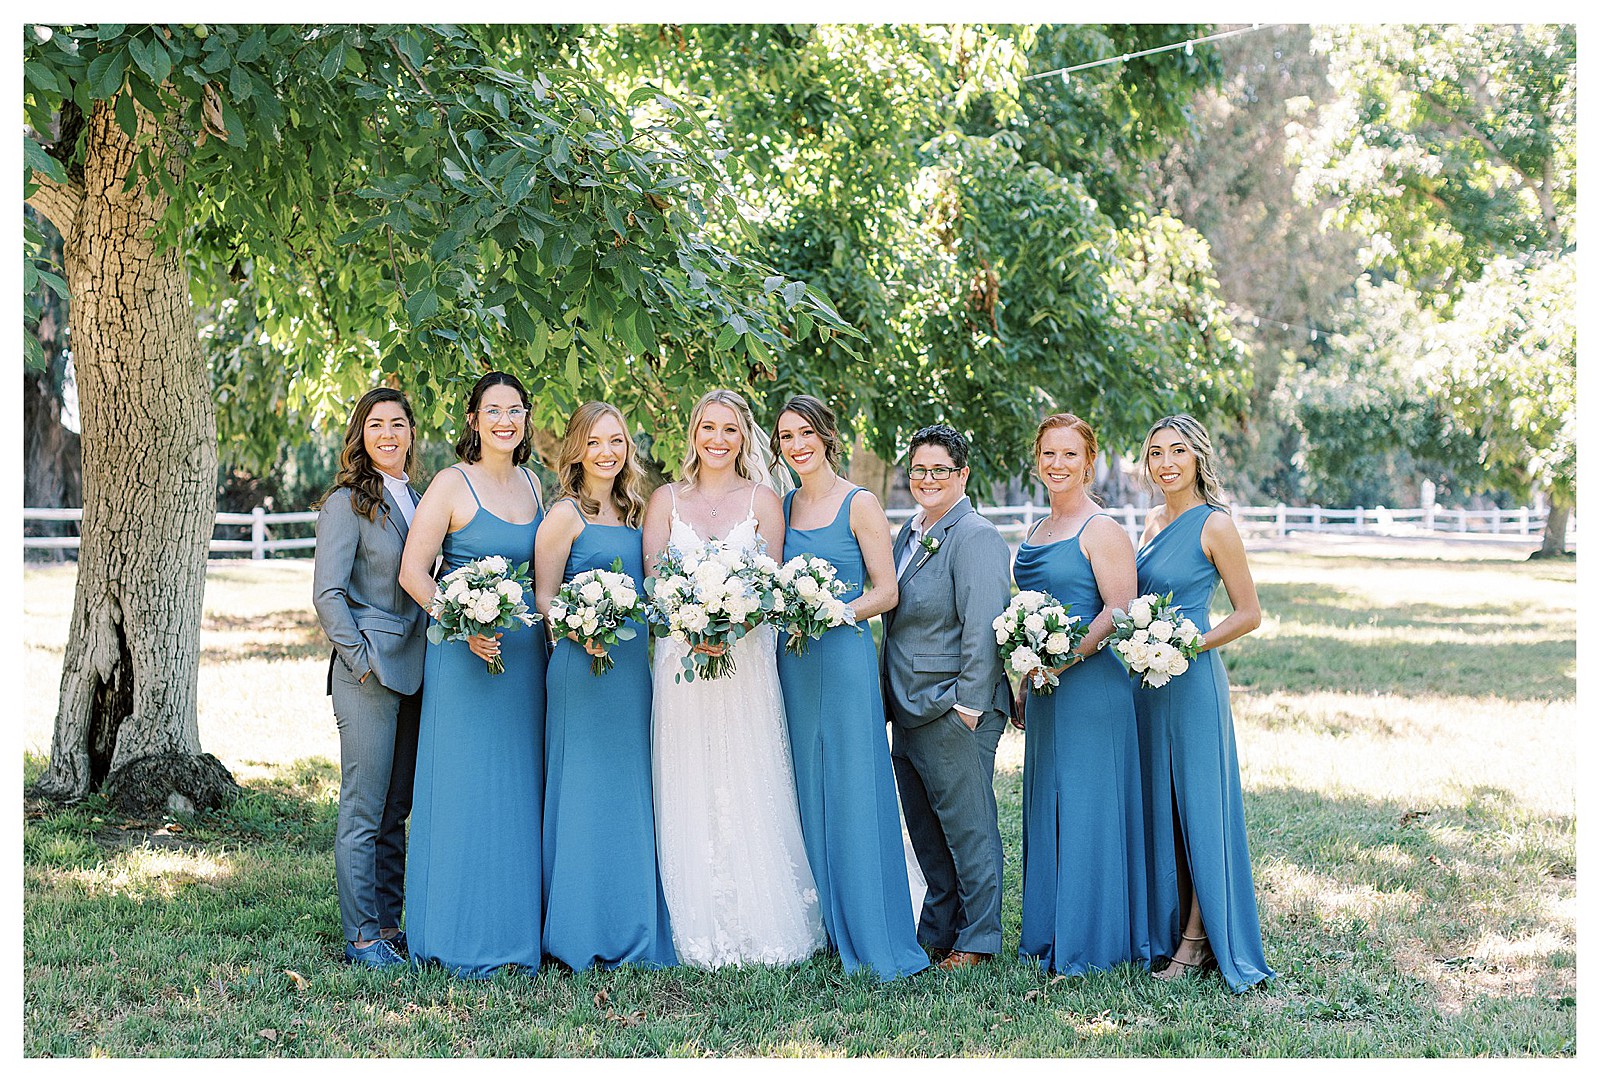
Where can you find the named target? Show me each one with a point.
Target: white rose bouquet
(808, 602)
(476, 598)
(1035, 634)
(713, 598)
(597, 605)
(1154, 639)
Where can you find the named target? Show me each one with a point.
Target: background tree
(1452, 150)
(416, 201)
(949, 209)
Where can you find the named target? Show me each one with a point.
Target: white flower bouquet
(597, 605)
(808, 602)
(476, 598)
(1154, 639)
(1035, 634)
(713, 599)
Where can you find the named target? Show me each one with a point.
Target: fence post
(1522, 518)
(1427, 514)
(258, 533)
(1027, 518)
(1316, 517)
(1494, 520)
(1283, 521)
(1361, 519)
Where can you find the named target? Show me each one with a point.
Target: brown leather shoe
(937, 954)
(962, 959)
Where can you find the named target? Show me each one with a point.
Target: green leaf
(572, 374)
(793, 292)
(35, 157)
(727, 338)
(539, 344)
(127, 115)
(422, 304)
(105, 73)
(253, 46)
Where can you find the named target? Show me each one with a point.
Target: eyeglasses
(938, 473)
(514, 414)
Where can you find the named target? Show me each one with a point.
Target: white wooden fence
(1014, 523)
(261, 543)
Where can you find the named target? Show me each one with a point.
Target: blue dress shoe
(376, 955)
(398, 942)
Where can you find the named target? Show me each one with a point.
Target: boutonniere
(930, 545)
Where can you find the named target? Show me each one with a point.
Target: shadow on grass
(1330, 606)
(1527, 671)
(287, 635)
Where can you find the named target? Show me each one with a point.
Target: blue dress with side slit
(1083, 834)
(472, 866)
(849, 813)
(1193, 801)
(602, 886)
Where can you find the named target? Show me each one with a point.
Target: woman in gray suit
(375, 673)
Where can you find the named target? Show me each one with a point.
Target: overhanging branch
(58, 202)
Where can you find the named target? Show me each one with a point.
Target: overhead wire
(1187, 46)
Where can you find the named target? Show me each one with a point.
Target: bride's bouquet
(1036, 634)
(1154, 639)
(597, 605)
(476, 598)
(712, 598)
(809, 591)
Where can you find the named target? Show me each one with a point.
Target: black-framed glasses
(938, 473)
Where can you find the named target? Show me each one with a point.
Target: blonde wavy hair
(752, 463)
(1207, 484)
(625, 486)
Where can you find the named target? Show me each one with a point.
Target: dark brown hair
(817, 414)
(469, 446)
(356, 471)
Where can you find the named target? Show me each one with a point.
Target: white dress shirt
(400, 493)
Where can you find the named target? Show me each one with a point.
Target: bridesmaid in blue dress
(602, 888)
(1202, 896)
(849, 814)
(1083, 858)
(472, 868)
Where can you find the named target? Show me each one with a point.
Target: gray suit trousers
(378, 757)
(945, 772)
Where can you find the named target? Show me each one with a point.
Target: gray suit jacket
(938, 642)
(372, 623)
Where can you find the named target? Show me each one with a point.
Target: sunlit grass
(1407, 734)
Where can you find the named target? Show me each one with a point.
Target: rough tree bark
(52, 467)
(1555, 529)
(127, 714)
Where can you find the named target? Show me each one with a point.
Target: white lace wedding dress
(733, 864)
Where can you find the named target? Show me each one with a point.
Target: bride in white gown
(733, 864)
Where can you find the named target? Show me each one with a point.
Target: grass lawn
(1407, 732)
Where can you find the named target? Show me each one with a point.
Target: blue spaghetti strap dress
(849, 814)
(1083, 836)
(1191, 773)
(472, 868)
(602, 887)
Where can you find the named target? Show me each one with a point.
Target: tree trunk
(127, 715)
(52, 466)
(1555, 528)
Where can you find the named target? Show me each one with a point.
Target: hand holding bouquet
(1036, 634)
(1154, 639)
(808, 601)
(596, 606)
(712, 598)
(476, 598)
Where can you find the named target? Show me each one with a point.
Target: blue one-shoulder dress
(1083, 836)
(603, 904)
(1191, 773)
(849, 814)
(472, 868)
